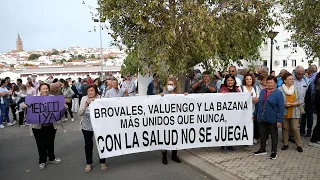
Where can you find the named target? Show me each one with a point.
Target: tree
(81, 57)
(303, 19)
(33, 56)
(130, 64)
(170, 36)
(55, 52)
(92, 56)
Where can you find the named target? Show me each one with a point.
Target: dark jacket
(273, 109)
(316, 102)
(84, 89)
(75, 90)
(151, 87)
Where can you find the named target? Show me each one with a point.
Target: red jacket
(90, 81)
(225, 89)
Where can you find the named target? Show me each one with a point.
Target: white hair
(299, 68)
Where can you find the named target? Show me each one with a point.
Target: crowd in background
(288, 101)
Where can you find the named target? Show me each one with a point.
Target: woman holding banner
(45, 135)
(270, 113)
(229, 86)
(86, 126)
(172, 88)
(249, 87)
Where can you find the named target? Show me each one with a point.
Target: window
(294, 44)
(265, 63)
(265, 46)
(284, 63)
(285, 44)
(294, 63)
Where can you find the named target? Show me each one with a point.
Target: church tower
(19, 45)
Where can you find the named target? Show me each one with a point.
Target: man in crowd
(108, 86)
(84, 87)
(19, 83)
(262, 70)
(9, 86)
(128, 86)
(280, 81)
(233, 71)
(89, 79)
(205, 85)
(301, 82)
(190, 80)
(114, 91)
(78, 86)
(49, 80)
(309, 102)
(35, 83)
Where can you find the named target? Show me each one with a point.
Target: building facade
(287, 54)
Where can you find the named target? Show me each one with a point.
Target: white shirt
(3, 90)
(253, 94)
(113, 93)
(130, 85)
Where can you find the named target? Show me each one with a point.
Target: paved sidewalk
(242, 164)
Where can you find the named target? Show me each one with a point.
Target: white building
(286, 53)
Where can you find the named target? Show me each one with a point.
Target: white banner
(147, 123)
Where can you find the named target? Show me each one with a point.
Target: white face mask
(170, 88)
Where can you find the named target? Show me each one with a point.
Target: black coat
(76, 93)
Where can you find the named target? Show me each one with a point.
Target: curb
(206, 168)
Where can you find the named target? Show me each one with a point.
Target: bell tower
(19, 44)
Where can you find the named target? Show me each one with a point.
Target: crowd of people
(286, 101)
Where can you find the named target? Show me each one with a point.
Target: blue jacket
(151, 87)
(280, 82)
(274, 107)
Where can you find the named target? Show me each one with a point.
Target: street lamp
(272, 35)
(101, 58)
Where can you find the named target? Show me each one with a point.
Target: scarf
(287, 91)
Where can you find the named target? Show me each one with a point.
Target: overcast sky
(48, 24)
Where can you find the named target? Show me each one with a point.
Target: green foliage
(62, 61)
(34, 56)
(81, 57)
(92, 56)
(303, 19)
(170, 36)
(55, 52)
(130, 64)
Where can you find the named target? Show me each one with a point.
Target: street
(19, 160)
